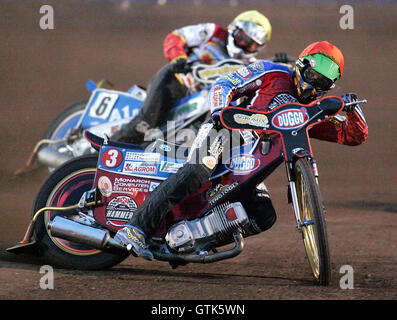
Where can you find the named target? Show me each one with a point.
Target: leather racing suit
(266, 85)
(204, 43)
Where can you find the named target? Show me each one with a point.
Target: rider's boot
(134, 240)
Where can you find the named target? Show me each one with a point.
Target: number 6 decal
(103, 105)
(112, 158)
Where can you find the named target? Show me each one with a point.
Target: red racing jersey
(266, 85)
(204, 42)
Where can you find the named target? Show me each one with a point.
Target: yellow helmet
(261, 35)
(248, 32)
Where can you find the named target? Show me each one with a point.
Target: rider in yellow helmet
(206, 43)
(249, 32)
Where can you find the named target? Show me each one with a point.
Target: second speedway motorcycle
(108, 109)
(84, 202)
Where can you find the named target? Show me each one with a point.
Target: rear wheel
(66, 120)
(60, 128)
(64, 187)
(313, 224)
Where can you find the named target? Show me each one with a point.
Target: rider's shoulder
(266, 65)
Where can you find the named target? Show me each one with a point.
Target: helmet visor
(324, 65)
(242, 40)
(316, 79)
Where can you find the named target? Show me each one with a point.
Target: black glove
(347, 98)
(281, 57)
(216, 118)
(180, 65)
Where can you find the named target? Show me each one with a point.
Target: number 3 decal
(112, 158)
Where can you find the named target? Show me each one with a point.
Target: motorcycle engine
(212, 230)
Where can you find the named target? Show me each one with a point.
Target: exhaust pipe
(52, 158)
(83, 234)
(101, 240)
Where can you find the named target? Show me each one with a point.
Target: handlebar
(355, 102)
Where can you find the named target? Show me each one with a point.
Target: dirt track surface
(44, 71)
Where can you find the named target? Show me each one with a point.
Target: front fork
(292, 194)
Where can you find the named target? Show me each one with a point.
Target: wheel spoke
(308, 224)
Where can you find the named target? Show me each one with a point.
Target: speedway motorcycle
(108, 109)
(84, 202)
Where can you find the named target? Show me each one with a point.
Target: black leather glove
(347, 98)
(216, 118)
(281, 57)
(180, 65)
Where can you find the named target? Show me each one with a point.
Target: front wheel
(63, 188)
(312, 221)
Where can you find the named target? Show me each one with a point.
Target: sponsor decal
(105, 186)
(112, 158)
(219, 191)
(217, 96)
(139, 167)
(171, 167)
(209, 162)
(165, 148)
(256, 120)
(209, 73)
(212, 192)
(257, 66)
(296, 150)
(243, 164)
(247, 87)
(143, 156)
(120, 209)
(244, 72)
(290, 119)
(281, 99)
(103, 105)
(235, 81)
(207, 58)
(313, 62)
(130, 185)
(231, 214)
(182, 111)
(153, 185)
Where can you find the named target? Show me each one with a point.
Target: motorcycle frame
(281, 149)
(316, 113)
(270, 158)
